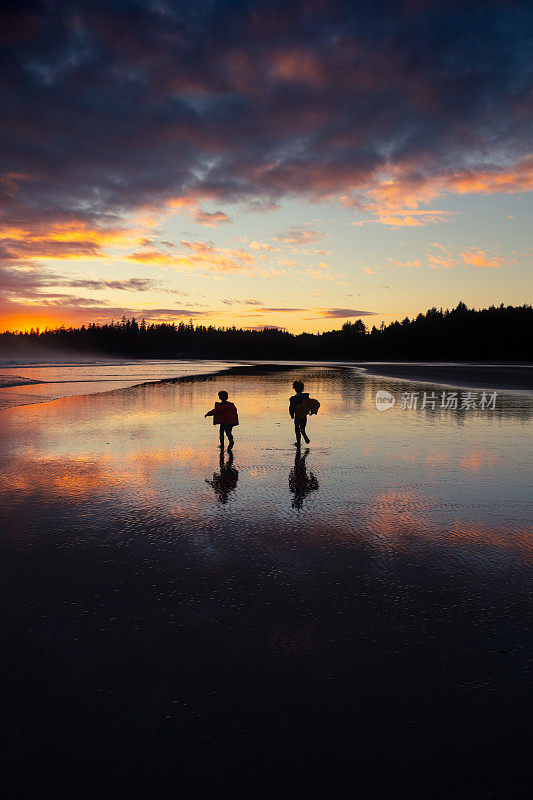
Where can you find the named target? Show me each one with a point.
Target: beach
(346, 619)
(25, 382)
(511, 377)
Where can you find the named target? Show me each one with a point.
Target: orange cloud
(260, 246)
(517, 179)
(444, 258)
(414, 263)
(405, 222)
(441, 262)
(198, 256)
(60, 241)
(479, 259)
(396, 200)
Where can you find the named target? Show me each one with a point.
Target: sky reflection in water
(396, 490)
(273, 621)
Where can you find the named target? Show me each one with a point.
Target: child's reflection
(301, 483)
(224, 482)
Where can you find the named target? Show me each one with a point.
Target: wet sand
(43, 382)
(333, 623)
(512, 377)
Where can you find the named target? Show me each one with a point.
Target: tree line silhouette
(462, 333)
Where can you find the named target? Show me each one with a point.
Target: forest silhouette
(502, 333)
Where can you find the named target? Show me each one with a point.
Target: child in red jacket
(225, 415)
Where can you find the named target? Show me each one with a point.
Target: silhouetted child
(225, 415)
(297, 412)
(300, 405)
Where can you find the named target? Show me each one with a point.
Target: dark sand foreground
(347, 621)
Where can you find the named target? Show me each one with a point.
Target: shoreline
(238, 369)
(513, 377)
(495, 377)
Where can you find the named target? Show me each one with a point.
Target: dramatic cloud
(396, 201)
(118, 114)
(125, 105)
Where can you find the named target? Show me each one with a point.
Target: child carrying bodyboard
(300, 407)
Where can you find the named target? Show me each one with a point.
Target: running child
(225, 415)
(300, 405)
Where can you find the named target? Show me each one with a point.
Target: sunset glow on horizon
(263, 163)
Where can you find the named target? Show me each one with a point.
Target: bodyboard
(307, 406)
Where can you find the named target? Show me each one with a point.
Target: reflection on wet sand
(301, 483)
(145, 450)
(225, 481)
(174, 614)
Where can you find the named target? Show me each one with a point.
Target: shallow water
(278, 620)
(27, 382)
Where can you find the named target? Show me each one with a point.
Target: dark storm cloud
(110, 106)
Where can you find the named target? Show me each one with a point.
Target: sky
(296, 164)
